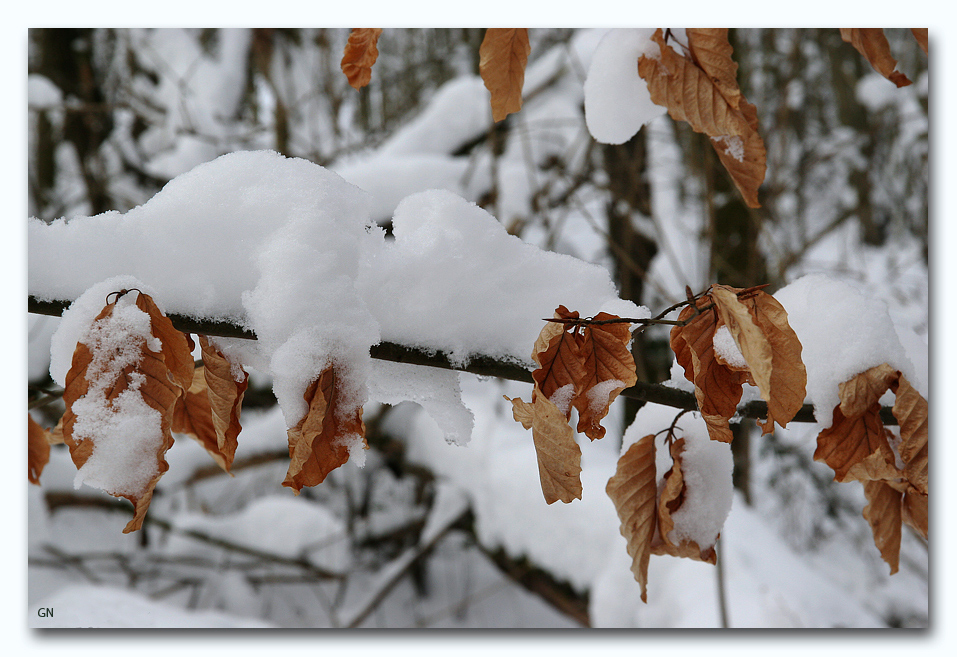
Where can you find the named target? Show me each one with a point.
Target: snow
(617, 101)
(706, 469)
(727, 348)
(843, 332)
(286, 247)
(284, 526)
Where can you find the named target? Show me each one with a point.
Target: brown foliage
(633, 490)
(502, 58)
(360, 55)
(700, 88)
(165, 375)
(318, 444)
(38, 449)
(858, 447)
(758, 324)
(871, 42)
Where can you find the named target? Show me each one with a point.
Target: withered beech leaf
(671, 498)
(914, 511)
(557, 453)
(38, 449)
(702, 92)
(883, 514)
(633, 490)
(100, 380)
(560, 362)
(920, 33)
(759, 326)
(711, 51)
(872, 43)
(910, 409)
(718, 388)
(851, 440)
(502, 58)
(318, 444)
(225, 397)
(862, 391)
(360, 55)
(193, 416)
(608, 369)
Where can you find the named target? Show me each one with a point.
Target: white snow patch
(599, 393)
(727, 348)
(732, 145)
(562, 397)
(842, 333)
(617, 101)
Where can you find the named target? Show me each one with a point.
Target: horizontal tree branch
(481, 365)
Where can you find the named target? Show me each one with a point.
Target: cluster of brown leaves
(758, 323)
(645, 508)
(700, 87)
(203, 402)
(583, 367)
(893, 469)
(872, 43)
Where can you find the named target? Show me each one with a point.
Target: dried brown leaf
(769, 345)
(360, 55)
(164, 376)
(502, 58)
(848, 442)
(670, 499)
(558, 455)
(883, 514)
(38, 449)
(318, 444)
(910, 409)
(225, 398)
(558, 354)
(872, 43)
(914, 511)
(633, 490)
(920, 33)
(717, 387)
(702, 92)
(604, 348)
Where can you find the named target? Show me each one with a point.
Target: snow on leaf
(883, 514)
(319, 443)
(38, 449)
(608, 368)
(120, 397)
(633, 490)
(502, 58)
(872, 43)
(701, 91)
(360, 55)
(670, 499)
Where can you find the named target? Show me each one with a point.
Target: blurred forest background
(114, 114)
